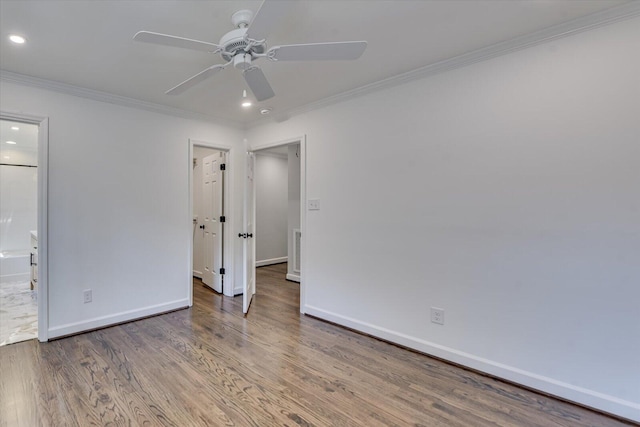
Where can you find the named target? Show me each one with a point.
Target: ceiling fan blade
(318, 51)
(192, 81)
(271, 12)
(258, 83)
(167, 40)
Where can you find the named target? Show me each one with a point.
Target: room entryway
(273, 215)
(18, 231)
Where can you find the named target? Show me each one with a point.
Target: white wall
(505, 192)
(118, 206)
(271, 208)
(199, 153)
(293, 210)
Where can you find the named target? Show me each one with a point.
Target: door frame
(227, 194)
(302, 140)
(43, 215)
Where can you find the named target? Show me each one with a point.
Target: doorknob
(202, 226)
(250, 235)
(242, 235)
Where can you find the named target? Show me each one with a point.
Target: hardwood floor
(210, 366)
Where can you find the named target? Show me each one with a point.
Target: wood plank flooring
(210, 366)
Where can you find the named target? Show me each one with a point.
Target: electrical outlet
(313, 204)
(87, 295)
(437, 315)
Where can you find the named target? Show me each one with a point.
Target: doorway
(210, 251)
(23, 234)
(274, 195)
(208, 219)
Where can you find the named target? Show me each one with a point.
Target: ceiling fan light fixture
(17, 39)
(245, 101)
(242, 61)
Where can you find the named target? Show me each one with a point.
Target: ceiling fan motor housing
(234, 41)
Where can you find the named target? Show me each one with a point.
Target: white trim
(114, 319)
(303, 223)
(237, 291)
(43, 215)
(594, 399)
(293, 277)
(574, 26)
(228, 285)
(124, 101)
(190, 208)
(271, 261)
(197, 273)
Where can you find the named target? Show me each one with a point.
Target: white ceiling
(89, 44)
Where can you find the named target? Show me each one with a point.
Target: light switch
(313, 204)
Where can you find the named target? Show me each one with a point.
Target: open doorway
(207, 199)
(276, 185)
(18, 231)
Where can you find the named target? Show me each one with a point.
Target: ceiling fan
(247, 43)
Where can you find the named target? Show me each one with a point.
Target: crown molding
(565, 29)
(97, 95)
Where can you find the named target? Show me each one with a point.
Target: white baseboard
(197, 274)
(594, 399)
(238, 291)
(20, 277)
(293, 277)
(271, 261)
(113, 319)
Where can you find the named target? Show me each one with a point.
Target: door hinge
(223, 219)
(223, 166)
(222, 271)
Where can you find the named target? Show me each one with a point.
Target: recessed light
(15, 128)
(11, 142)
(265, 111)
(246, 104)
(17, 39)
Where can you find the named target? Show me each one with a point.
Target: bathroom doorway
(18, 231)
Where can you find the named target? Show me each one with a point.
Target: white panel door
(249, 247)
(211, 225)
